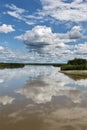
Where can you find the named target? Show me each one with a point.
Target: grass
(76, 75)
(74, 67)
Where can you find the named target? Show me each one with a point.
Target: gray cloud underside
(43, 41)
(43, 35)
(49, 54)
(45, 46)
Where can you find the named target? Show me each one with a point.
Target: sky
(43, 31)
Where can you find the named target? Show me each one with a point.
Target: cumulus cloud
(44, 34)
(39, 34)
(49, 45)
(42, 38)
(75, 33)
(42, 42)
(4, 28)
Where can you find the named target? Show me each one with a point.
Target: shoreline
(76, 74)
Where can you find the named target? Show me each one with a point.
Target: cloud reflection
(42, 83)
(43, 89)
(4, 100)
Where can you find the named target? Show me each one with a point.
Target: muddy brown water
(41, 98)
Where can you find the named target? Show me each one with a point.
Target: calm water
(41, 98)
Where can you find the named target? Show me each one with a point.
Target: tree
(78, 61)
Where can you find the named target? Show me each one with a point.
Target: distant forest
(11, 65)
(75, 64)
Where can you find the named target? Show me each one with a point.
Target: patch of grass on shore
(76, 75)
(74, 67)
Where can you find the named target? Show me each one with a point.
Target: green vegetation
(76, 75)
(75, 69)
(78, 61)
(76, 64)
(11, 65)
(58, 65)
(20, 65)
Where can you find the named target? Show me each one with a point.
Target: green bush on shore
(76, 64)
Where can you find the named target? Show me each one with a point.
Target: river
(41, 98)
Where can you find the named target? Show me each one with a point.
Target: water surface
(41, 98)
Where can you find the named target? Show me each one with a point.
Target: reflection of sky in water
(39, 83)
(41, 98)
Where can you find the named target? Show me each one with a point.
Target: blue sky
(43, 30)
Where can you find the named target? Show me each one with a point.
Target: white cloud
(39, 34)
(40, 37)
(4, 28)
(45, 53)
(44, 34)
(42, 40)
(9, 55)
(80, 49)
(75, 33)
(75, 11)
(1, 48)
(15, 8)
(52, 11)
(15, 11)
(19, 13)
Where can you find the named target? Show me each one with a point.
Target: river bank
(76, 74)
